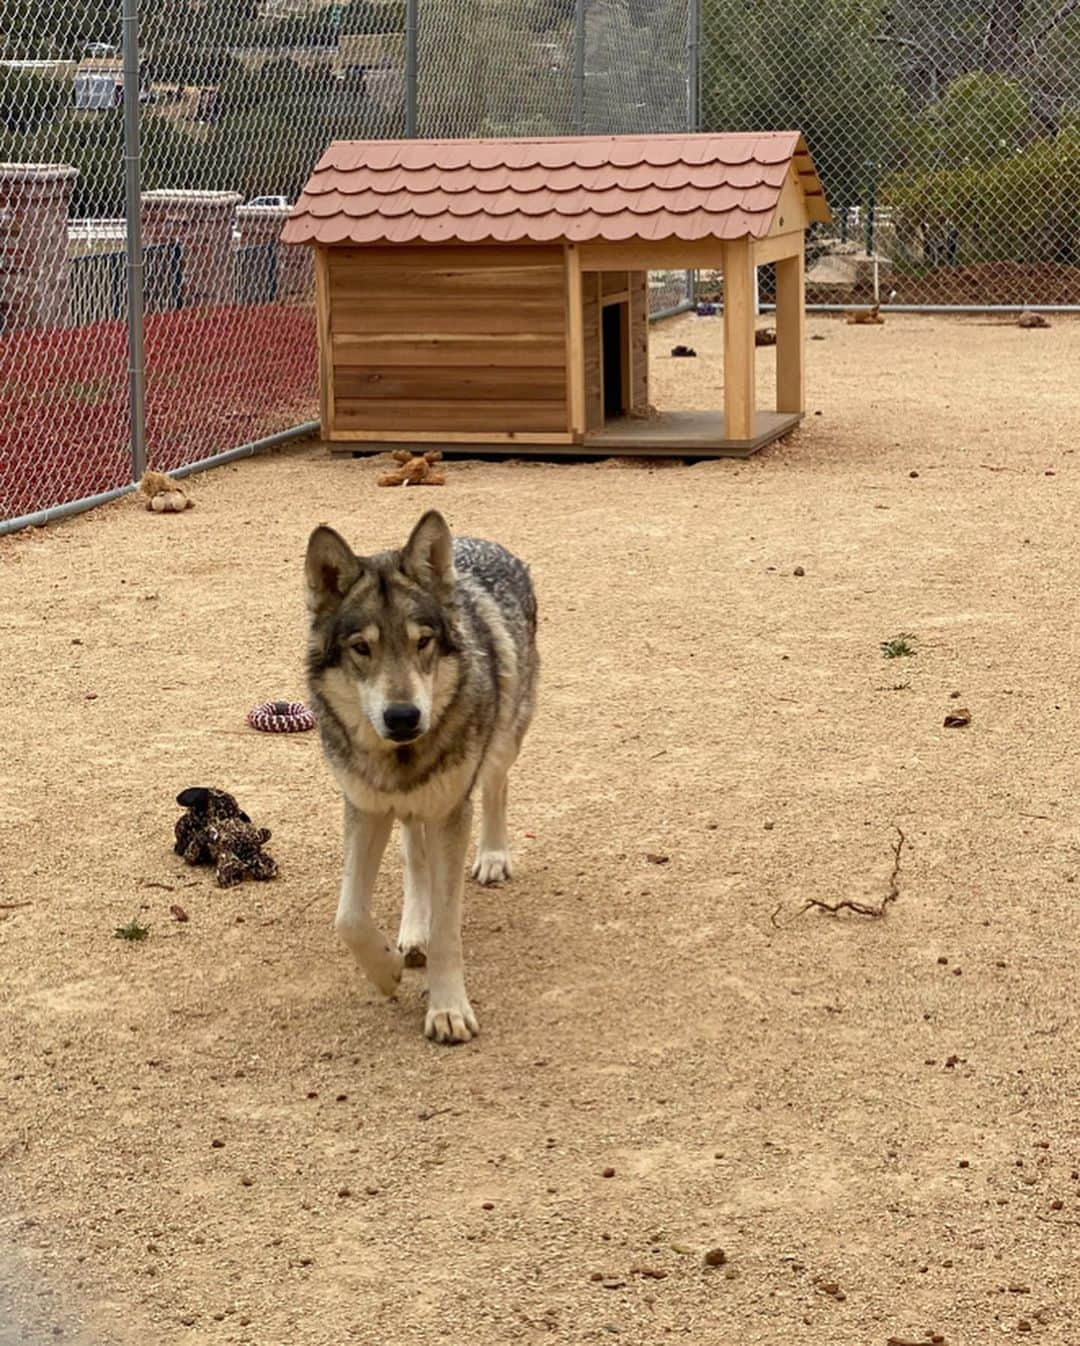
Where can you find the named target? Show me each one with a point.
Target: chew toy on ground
(163, 495)
(215, 830)
(281, 717)
(765, 336)
(414, 471)
(863, 317)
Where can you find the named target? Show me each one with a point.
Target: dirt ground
(220, 1134)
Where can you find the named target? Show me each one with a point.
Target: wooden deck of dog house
(492, 296)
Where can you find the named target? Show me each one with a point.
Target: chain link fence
(947, 133)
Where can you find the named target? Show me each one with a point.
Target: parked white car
(279, 201)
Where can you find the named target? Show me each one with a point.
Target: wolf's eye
(423, 642)
(360, 648)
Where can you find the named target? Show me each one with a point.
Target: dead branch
(892, 892)
(12, 906)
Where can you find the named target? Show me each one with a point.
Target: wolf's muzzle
(402, 721)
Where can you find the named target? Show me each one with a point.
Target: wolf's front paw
(414, 951)
(385, 970)
(492, 867)
(453, 1023)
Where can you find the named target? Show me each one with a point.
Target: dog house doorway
(615, 358)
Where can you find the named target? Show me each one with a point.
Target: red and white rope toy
(281, 717)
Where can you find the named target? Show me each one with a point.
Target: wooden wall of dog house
(448, 338)
(592, 282)
(639, 341)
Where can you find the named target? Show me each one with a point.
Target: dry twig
(892, 892)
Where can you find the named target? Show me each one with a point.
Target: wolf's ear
(331, 569)
(428, 556)
(194, 798)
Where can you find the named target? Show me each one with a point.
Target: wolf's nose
(401, 717)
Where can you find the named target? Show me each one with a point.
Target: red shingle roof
(575, 189)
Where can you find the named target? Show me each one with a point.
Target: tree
(811, 65)
(57, 29)
(28, 102)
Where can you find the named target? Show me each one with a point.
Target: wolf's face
(383, 635)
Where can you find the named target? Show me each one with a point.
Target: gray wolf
(422, 668)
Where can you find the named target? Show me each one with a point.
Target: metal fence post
(135, 277)
(411, 47)
(579, 68)
(693, 91)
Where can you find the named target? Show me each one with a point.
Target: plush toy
(215, 830)
(866, 317)
(414, 471)
(163, 495)
(765, 336)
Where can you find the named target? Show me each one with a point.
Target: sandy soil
(221, 1134)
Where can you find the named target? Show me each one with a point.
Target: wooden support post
(326, 346)
(738, 263)
(791, 334)
(575, 344)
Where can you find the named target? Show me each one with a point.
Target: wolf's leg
(416, 911)
(450, 1017)
(366, 835)
(492, 863)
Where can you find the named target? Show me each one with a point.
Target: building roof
(575, 189)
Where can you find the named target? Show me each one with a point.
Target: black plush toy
(215, 830)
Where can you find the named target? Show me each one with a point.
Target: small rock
(829, 1288)
(649, 1273)
(943, 961)
(1019, 1288)
(342, 1098)
(177, 912)
(487, 1205)
(1023, 1325)
(372, 1191)
(247, 1182)
(1057, 1205)
(964, 1163)
(597, 1276)
(656, 859)
(769, 825)
(799, 571)
(608, 1173)
(817, 337)
(958, 719)
(715, 1257)
(217, 1144)
(344, 1191)
(913, 474)
(612, 1283)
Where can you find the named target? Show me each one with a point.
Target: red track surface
(216, 377)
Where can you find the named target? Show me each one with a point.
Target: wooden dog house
(487, 293)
